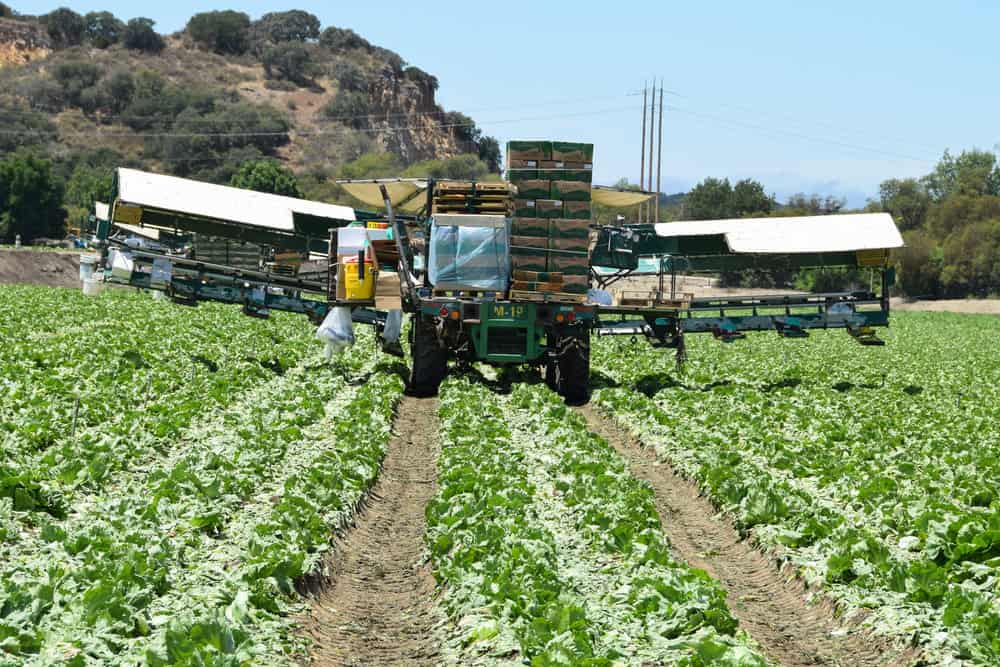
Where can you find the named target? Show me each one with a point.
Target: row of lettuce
(228, 451)
(873, 470)
(550, 553)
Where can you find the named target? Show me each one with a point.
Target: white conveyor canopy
(795, 235)
(221, 202)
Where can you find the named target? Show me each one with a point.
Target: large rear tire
(569, 372)
(430, 360)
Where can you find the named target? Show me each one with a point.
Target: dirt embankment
(36, 267)
(968, 306)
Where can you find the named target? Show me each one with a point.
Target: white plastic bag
(393, 326)
(337, 331)
(600, 297)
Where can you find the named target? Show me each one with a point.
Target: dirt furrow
(770, 605)
(378, 608)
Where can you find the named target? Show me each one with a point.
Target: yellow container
(359, 289)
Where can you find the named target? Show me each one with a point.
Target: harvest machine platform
(491, 327)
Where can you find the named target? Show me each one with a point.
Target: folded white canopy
(798, 235)
(220, 202)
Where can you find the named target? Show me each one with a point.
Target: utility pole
(659, 156)
(652, 110)
(642, 163)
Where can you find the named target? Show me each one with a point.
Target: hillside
(97, 91)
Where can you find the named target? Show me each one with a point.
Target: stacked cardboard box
(550, 230)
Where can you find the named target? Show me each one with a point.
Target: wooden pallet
(468, 294)
(535, 286)
(547, 297)
(469, 187)
(474, 210)
(538, 276)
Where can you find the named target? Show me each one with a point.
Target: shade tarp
(230, 205)
(618, 198)
(406, 192)
(796, 235)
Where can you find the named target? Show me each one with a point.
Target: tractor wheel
(570, 371)
(552, 374)
(430, 360)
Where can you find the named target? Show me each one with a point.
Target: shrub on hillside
(119, 89)
(65, 27)
(427, 82)
(267, 176)
(350, 108)
(74, 77)
(349, 77)
(461, 167)
(140, 36)
(343, 39)
(371, 165)
(290, 62)
(223, 32)
(102, 29)
(291, 26)
(43, 94)
(26, 127)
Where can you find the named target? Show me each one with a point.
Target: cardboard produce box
(528, 260)
(568, 265)
(581, 175)
(570, 190)
(529, 150)
(576, 284)
(525, 208)
(517, 176)
(551, 164)
(522, 164)
(549, 208)
(534, 189)
(577, 245)
(525, 242)
(569, 228)
(571, 151)
(576, 209)
(575, 166)
(529, 227)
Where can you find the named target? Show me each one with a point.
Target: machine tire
(429, 359)
(570, 371)
(551, 372)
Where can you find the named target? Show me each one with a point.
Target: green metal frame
(499, 318)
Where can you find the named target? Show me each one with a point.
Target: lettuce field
(186, 486)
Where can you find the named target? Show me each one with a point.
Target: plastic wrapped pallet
(469, 253)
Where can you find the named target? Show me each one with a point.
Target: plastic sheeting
(469, 258)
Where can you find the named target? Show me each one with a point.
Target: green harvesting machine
(499, 273)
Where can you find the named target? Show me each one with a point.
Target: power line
(799, 135)
(299, 133)
(27, 113)
(797, 120)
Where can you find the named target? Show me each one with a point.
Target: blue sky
(826, 97)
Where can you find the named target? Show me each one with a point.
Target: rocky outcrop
(411, 119)
(21, 42)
